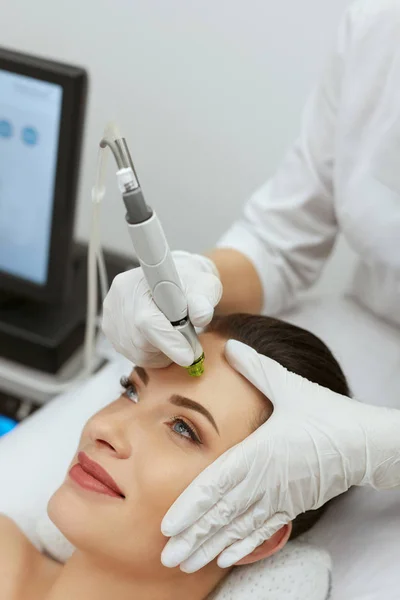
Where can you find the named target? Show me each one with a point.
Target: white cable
(102, 272)
(95, 258)
(101, 265)
(92, 296)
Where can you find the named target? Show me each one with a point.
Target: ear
(269, 547)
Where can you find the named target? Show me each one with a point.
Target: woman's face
(153, 449)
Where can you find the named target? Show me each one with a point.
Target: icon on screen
(6, 129)
(30, 136)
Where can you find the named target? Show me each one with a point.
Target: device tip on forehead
(197, 368)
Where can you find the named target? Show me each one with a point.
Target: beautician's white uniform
(343, 173)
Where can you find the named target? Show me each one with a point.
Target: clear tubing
(95, 258)
(102, 271)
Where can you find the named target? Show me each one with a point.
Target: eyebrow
(184, 402)
(142, 374)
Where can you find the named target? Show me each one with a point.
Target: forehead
(234, 403)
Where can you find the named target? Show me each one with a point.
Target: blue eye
(130, 390)
(181, 428)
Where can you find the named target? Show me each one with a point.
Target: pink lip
(91, 476)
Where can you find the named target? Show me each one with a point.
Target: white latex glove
(139, 331)
(315, 446)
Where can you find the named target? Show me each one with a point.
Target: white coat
(342, 174)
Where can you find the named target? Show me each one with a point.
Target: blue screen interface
(30, 114)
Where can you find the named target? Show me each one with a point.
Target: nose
(109, 433)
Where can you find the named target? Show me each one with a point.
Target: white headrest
(298, 572)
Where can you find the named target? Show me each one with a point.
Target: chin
(97, 524)
(67, 513)
(77, 517)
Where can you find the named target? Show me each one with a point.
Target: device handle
(152, 250)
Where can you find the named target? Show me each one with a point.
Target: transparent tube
(102, 270)
(95, 258)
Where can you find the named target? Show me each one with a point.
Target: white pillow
(298, 572)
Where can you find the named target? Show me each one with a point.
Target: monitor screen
(30, 113)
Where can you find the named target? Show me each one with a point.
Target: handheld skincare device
(152, 250)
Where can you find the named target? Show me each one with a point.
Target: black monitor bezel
(74, 81)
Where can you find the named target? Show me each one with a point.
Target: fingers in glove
(202, 297)
(154, 360)
(226, 511)
(212, 485)
(238, 529)
(244, 547)
(263, 372)
(161, 334)
(200, 310)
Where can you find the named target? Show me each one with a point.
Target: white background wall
(208, 92)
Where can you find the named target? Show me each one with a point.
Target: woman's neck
(85, 577)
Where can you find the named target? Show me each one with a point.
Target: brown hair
(297, 350)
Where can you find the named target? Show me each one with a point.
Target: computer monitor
(42, 106)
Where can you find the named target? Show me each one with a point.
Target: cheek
(162, 473)
(159, 476)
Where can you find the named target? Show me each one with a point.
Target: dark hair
(297, 350)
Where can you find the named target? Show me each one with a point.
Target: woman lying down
(138, 454)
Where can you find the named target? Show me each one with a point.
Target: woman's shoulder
(20, 561)
(14, 545)
(14, 554)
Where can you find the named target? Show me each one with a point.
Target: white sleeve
(289, 225)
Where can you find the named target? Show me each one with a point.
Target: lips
(91, 476)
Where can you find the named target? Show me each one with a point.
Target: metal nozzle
(136, 207)
(121, 153)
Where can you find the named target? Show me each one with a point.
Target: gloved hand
(139, 331)
(315, 446)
